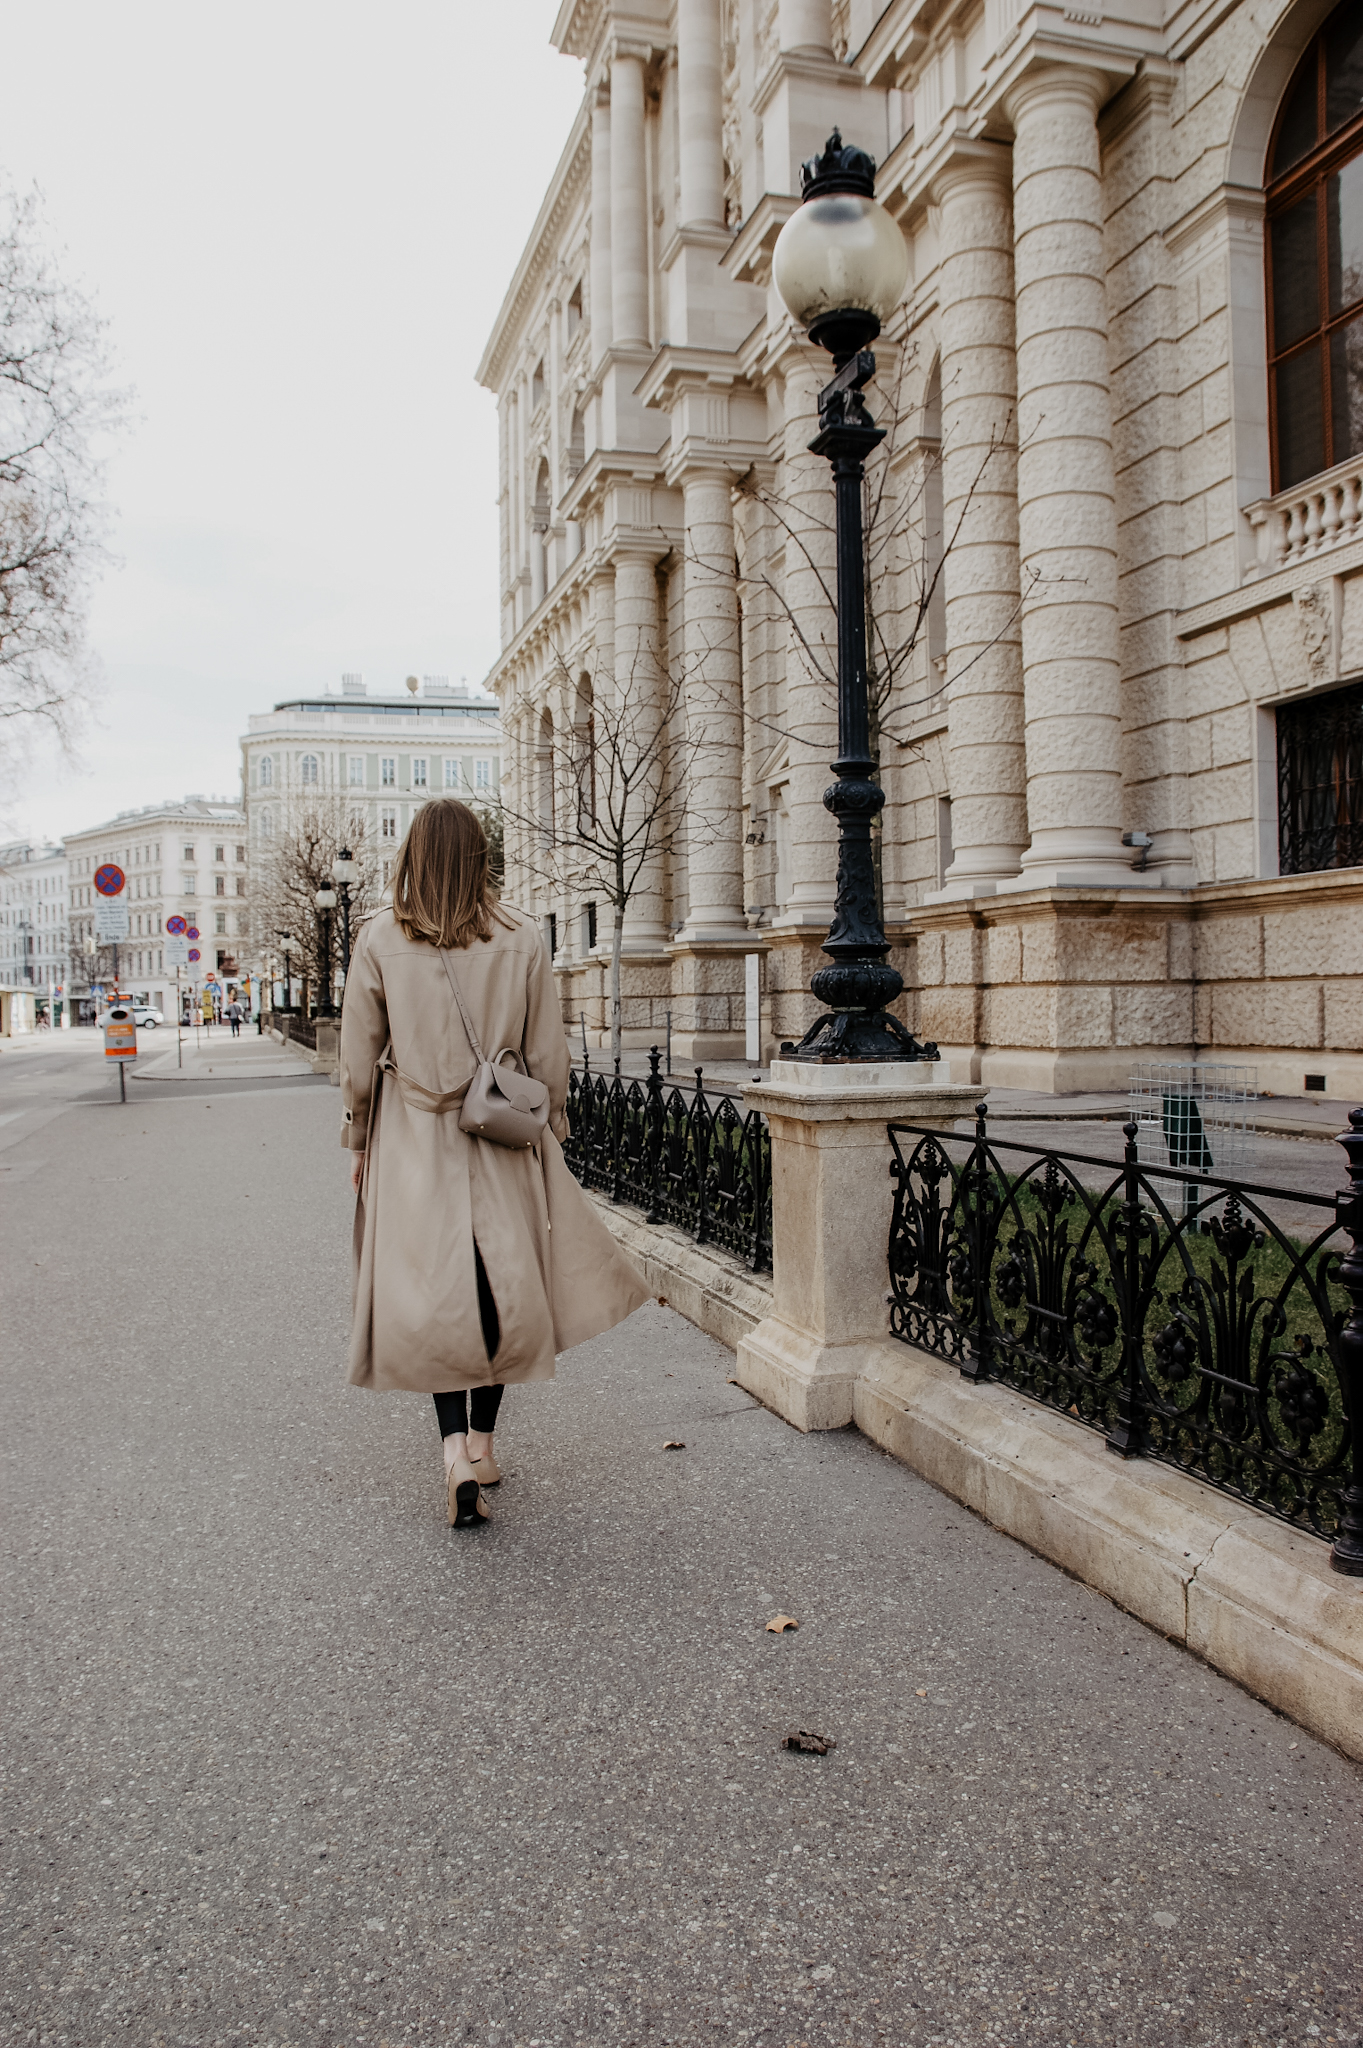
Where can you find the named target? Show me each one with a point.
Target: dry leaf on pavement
(807, 1742)
(674, 1443)
(779, 1623)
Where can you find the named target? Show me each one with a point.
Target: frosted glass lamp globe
(840, 253)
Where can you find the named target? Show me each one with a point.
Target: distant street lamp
(840, 265)
(325, 900)
(343, 872)
(286, 941)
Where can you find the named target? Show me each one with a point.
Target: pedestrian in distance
(234, 1017)
(477, 1258)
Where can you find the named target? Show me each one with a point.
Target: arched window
(266, 771)
(307, 768)
(1314, 202)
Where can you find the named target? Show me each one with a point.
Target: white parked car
(143, 1015)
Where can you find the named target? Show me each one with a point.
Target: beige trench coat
(428, 1190)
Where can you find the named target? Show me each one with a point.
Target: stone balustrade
(1300, 524)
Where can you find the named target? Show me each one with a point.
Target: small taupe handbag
(503, 1104)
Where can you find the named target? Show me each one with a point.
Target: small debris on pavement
(807, 1742)
(674, 1443)
(922, 1692)
(779, 1623)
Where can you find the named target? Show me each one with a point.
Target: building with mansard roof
(1115, 533)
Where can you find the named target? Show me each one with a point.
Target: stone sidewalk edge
(1254, 1598)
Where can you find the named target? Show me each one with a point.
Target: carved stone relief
(1315, 606)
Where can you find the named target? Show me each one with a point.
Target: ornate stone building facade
(1117, 577)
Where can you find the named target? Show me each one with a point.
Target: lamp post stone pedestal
(832, 1198)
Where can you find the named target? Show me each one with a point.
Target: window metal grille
(1320, 783)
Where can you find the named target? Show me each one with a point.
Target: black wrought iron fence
(1212, 1339)
(695, 1161)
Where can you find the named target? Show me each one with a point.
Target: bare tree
(490, 817)
(622, 760)
(56, 409)
(309, 830)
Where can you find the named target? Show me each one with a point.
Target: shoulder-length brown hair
(440, 889)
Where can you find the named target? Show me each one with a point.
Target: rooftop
(211, 810)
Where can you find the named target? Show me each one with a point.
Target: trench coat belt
(418, 1097)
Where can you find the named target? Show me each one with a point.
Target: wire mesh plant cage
(1196, 1115)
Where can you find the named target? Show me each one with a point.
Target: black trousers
(478, 1407)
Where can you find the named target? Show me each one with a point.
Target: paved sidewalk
(203, 1053)
(290, 1762)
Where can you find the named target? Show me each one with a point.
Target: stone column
(519, 847)
(988, 768)
(1066, 487)
(629, 203)
(601, 223)
(714, 711)
(635, 713)
(700, 113)
(602, 670)
(806, 25)
(538, 548)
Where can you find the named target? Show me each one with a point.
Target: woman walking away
(477, 1255)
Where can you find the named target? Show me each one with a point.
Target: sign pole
(122, 1084)
(179, 1033)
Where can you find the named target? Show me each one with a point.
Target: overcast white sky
(299, 219)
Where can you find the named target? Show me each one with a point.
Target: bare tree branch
(56, 412)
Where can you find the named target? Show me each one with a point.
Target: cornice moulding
(694, 237)
(748, 256)
(603, 467)
(1070, 49)
(592, 383)
(1243, 203)
(673, 369)
(571, 177)
(809, 64)
(1264, 592)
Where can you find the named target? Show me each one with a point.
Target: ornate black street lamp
(840, 264)
(344, 869)
(325, 900)
(286, 940)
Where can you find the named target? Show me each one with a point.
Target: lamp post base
(843, 1036)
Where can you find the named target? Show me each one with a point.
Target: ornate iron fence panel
(1211, 1339)
(694, 1161)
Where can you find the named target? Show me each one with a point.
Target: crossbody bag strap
(478, 1053)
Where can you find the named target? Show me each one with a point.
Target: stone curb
(1253, 1597)
(705, 1285)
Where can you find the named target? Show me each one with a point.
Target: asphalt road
(287, 1761)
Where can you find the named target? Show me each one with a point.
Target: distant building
(189, 858)
(34, 938)
(378, 757)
